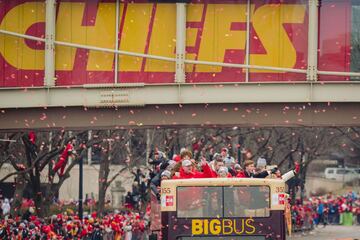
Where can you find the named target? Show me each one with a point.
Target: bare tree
(115, 145)
(30, 166)
(130, 147)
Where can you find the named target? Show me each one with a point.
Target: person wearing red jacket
(32, 144)
(216, 165)
(223, 172)
(32, 137)
(219, 164)
(61, 164)
(191, 198)
(187, 172)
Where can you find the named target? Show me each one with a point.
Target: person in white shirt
(6, 207)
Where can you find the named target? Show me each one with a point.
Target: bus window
(247, 201)
(199, 202)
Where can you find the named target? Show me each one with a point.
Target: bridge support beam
(117, 26)
(161, 94)
(180, 42)
(311, 74)
(200, 115)
(50, 13)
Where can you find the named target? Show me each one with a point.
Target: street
(330, 233)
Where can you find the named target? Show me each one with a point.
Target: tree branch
(13, 164)
(347, 136)
(262, 147)
(48, 158)
(289, 153)
(115, 176)
(20, 171)
(76, 161)
(53, 153)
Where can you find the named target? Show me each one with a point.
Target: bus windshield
(224, 201)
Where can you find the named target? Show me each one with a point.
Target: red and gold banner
(215, 31)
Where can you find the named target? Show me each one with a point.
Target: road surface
(330, 233)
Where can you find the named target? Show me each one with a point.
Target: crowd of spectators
(118, 225)
(329, 209)
(315, 211)
(138, 197)
(134, 222)
(184, 166)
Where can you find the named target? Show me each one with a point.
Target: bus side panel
(282, 226)
(272, 228)
(165, 225)
(155, 218)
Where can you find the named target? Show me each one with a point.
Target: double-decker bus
(223, 208)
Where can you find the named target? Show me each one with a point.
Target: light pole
(239, 152)
(81, 188)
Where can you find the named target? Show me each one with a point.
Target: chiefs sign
(215, 31)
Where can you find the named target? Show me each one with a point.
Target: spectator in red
(176, 158)
(357, 212)
(32, 137)
(238, 169)
(187, 171)
(216, 165)
(185, 154)
(223, 172)
(61, 164)
(32, 145)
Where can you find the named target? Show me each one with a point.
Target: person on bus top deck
(159, 157)
(184, 155)
(164, 166)
(186, 171)
(261, 163)
(229, 161)
(223, 172)
(287, 176)
(249, 171)
(165, 175)
(160, 163)
(216, 165)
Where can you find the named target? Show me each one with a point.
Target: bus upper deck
(223, 208)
